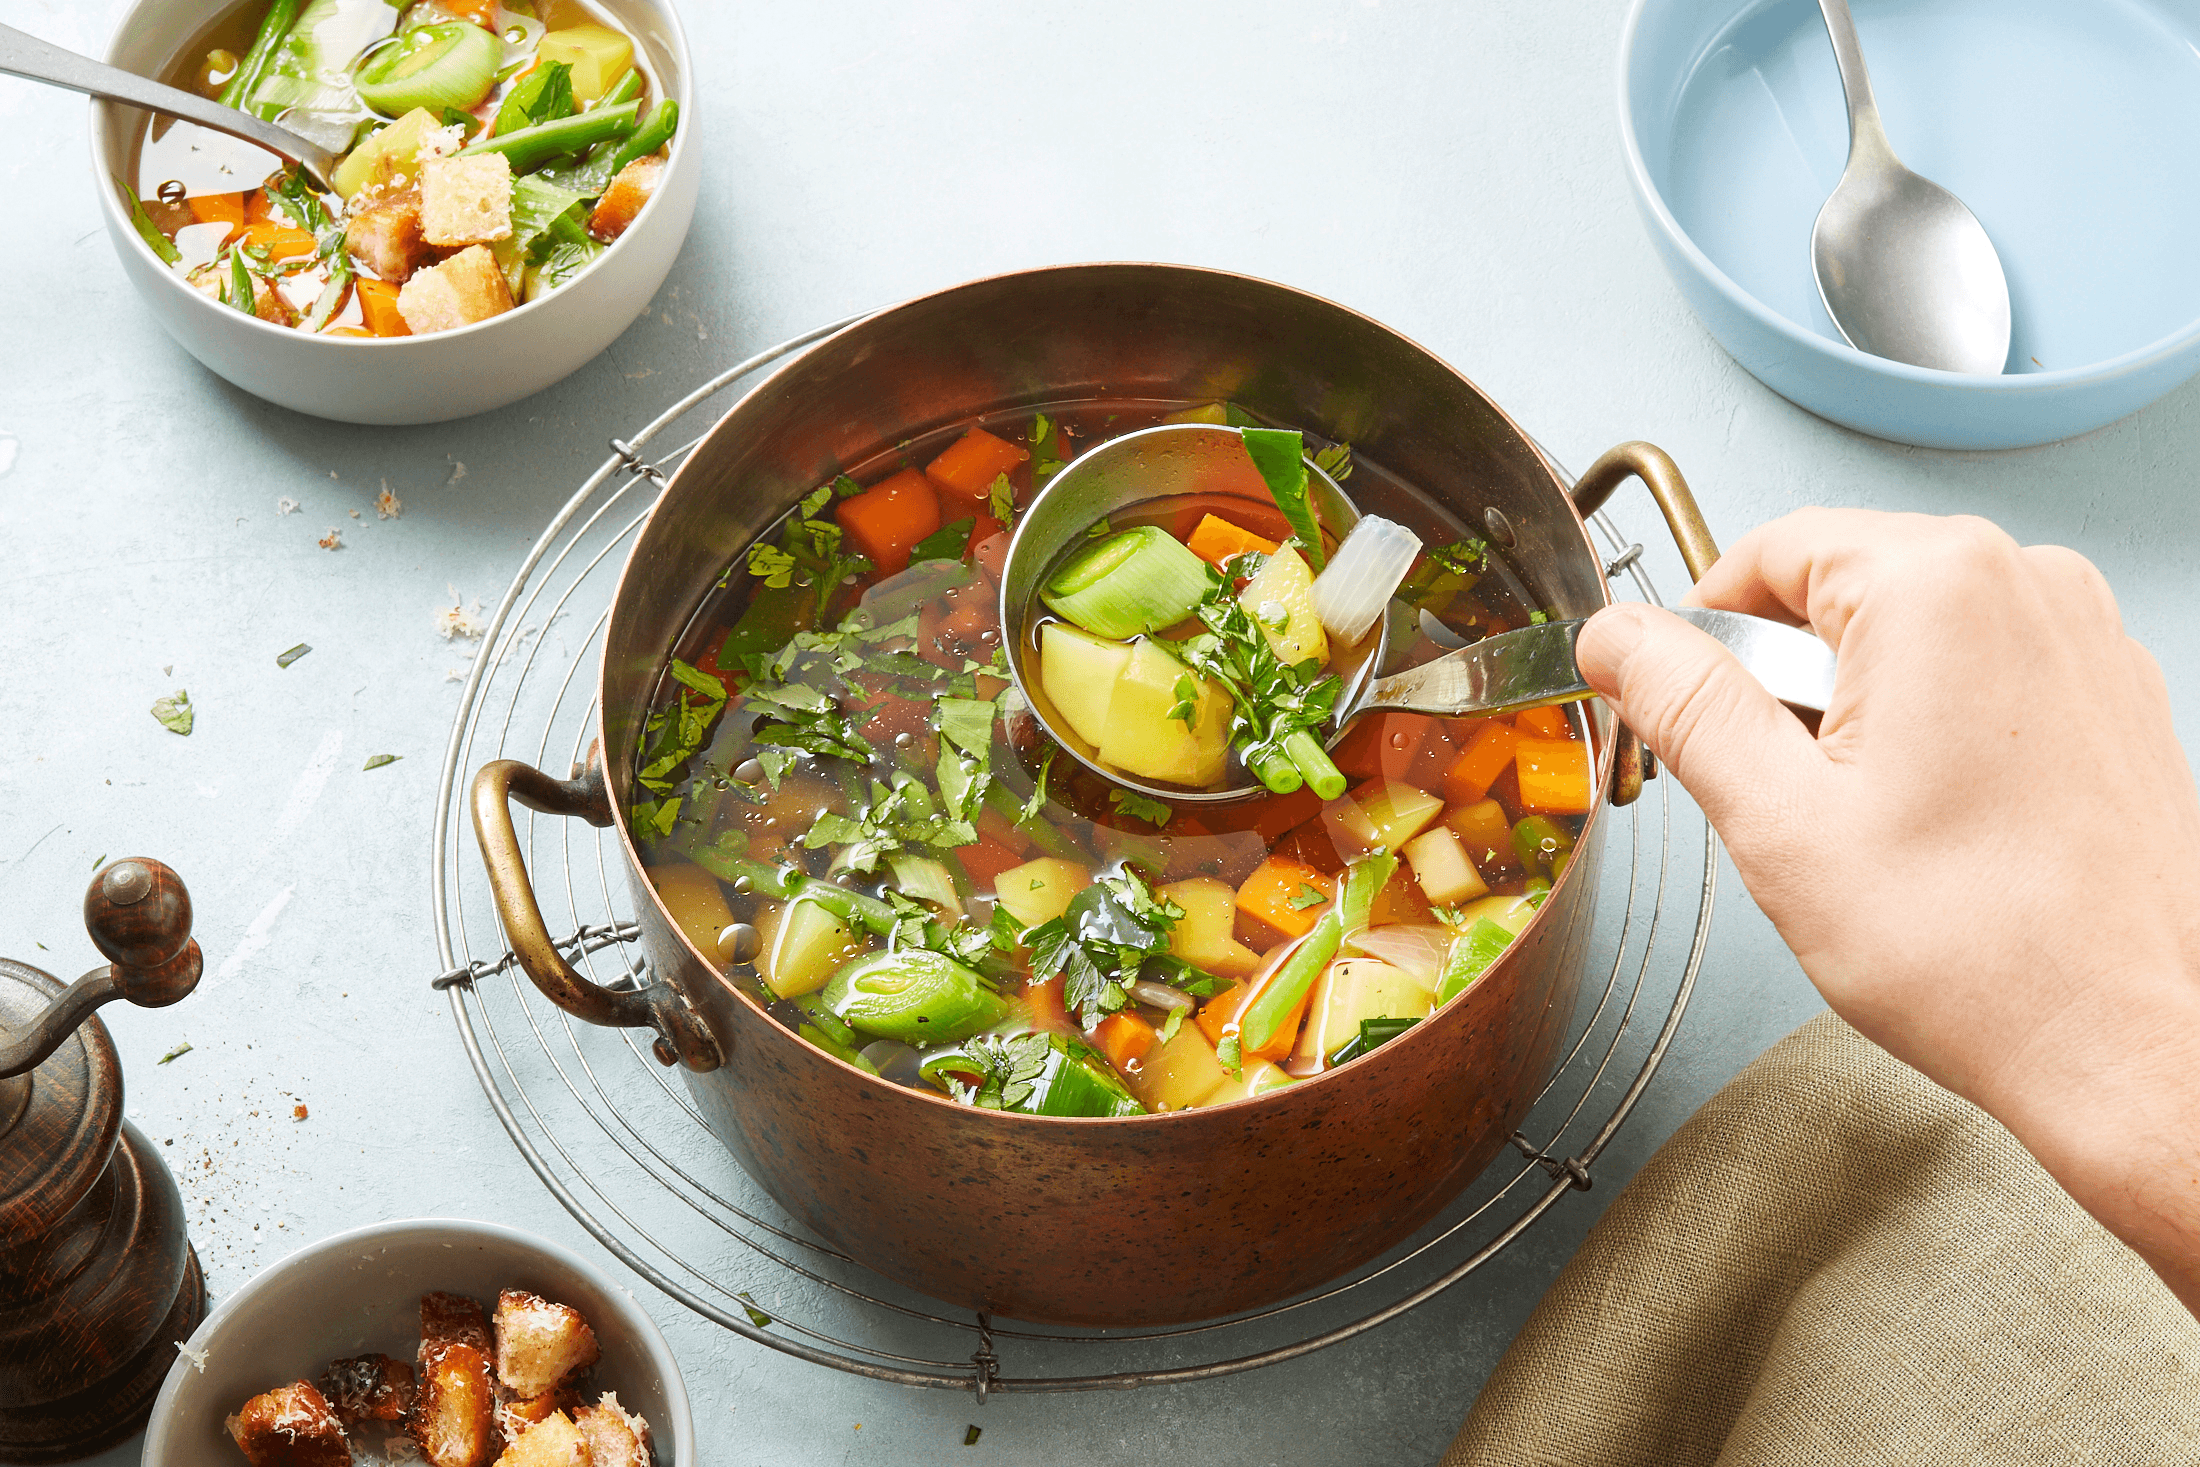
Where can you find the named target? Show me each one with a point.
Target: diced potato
(598, 55)
(1141, 739)
(1286, 582)
(696, 902)
(1485, 832)
(1078, 672)
(1513, 913)
(1237, 963)
(1180, 1074)
(1440, 864)
(1257, 1078)
(391, 156)
(1381, 815)
(1202, 936)
(1039, 891)
(804, 945)
(1351, 990)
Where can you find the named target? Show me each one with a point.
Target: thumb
(1747, 761)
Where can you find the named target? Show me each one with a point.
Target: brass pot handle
(1632, 763)
(682, 1036)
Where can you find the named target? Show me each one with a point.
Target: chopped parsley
(376, 761)
(175, 712)
(946, 543)
(1000, 501)
(1308, 895)
(1271, 699)
(1140, 807)
(1114, 929)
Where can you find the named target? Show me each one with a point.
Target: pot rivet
(1500, 528)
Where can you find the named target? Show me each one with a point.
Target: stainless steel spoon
(34, 60)
(1530, 668)
(1906, 271)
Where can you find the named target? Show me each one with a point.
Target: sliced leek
(1142, 580)
(431, 66)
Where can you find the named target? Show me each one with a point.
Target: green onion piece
(1273, 768)
(1362, 880)
(1280, 996)
(1471, 955)
(664, 120)
(160, 244)
(1142, 580)
(545, 95)
(915, 995)
(546, 140)
(1281, 458)
(1540, 841)
(433, 66)
(1311, 760)
(1374, 1033)
(274, 26)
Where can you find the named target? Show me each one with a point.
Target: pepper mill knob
(139, 915)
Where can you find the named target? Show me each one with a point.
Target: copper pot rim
(1418, 1035)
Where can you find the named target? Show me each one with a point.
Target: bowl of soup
(513, 186)
(996, 1024)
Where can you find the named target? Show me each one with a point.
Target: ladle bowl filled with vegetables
(998, 1024)
(511, 188)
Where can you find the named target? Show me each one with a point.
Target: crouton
(290, 1426)
(386, 235)
(625, 197)
(466, 288)
(616, 1437)
(553, 1442)
(466, 201)
(368, 1388)
(454, 1415)
(267, 302)
(540, 1345)
(452, 1319)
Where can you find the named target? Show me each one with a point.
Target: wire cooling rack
(616, 1139)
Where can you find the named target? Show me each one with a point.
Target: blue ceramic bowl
(2071, 128)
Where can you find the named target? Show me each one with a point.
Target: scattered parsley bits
(1140, 807)
(376, 761)
(284, 659)
(1538, 618)
(1335, 461)
(175, 713)
(1308, 895)
(971, 1435)
(177, 1053)
(756, 1316)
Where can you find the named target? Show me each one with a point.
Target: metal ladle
(1905, 269)
(1533, 667)
(34, 60)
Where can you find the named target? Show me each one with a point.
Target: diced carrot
(1544, 723)
(1280, 892)
(348, 331)
(984, 862)
(1047, 1011)
(993, 828)
(1215, 540)
(1383, 746)
(989, 553)
(1220, 1016)
(1124, 1039)
(886, 521)
(972, 462)
(218, 209)
(1472, 773)
(1554, 776)
(280, 240)
(378, 308)
(481, 12)
(1220, 1012)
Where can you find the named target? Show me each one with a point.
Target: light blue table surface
(1451, 170)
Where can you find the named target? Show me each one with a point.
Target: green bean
(1313, 761)
(273, 27)
(664, 119)
(546, 140)
(1280, 996)
(1273, 768)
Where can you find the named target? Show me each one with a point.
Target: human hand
(1988, 859)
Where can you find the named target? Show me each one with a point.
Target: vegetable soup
(845, 804)
(489, 154)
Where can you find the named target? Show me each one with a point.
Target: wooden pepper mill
(98, 1282)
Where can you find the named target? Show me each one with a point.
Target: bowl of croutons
(437, 1340)
(511, 186)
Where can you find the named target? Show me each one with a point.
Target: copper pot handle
(682, 1036)
(1632, 763)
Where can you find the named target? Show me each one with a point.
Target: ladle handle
(682, 1036)
(138, 914)
(28, 57)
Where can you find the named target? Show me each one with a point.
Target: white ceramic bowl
(416, 379)
(359, 1293)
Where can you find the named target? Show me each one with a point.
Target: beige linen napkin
(1836, 1261)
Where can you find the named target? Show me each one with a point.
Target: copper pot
(1151, 1219)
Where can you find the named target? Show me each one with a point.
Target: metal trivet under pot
(618, 1142)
